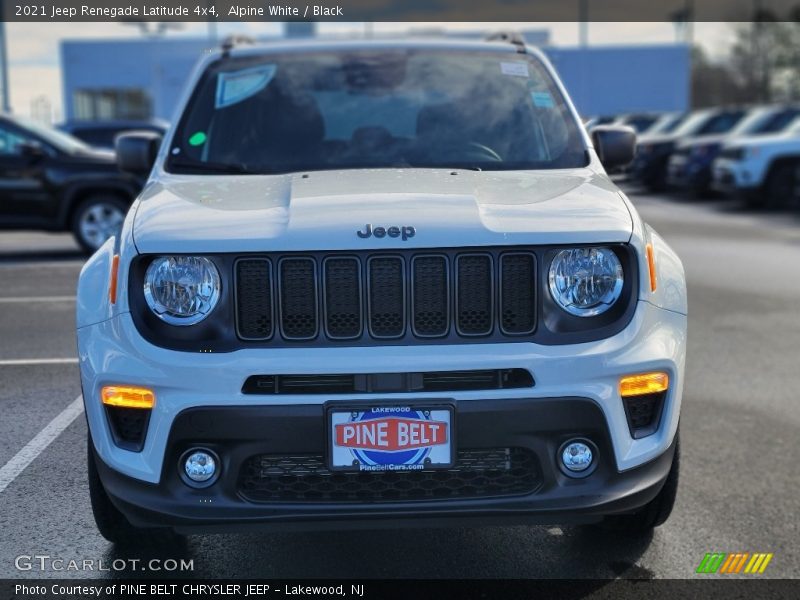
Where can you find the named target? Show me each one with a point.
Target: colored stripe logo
(735, 562)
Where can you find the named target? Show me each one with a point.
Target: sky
(33, 48)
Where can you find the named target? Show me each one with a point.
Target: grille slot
(431, 296)
(379, 383)
(517, 293)
(387, 306)
(254, 299)
(298, 289)
(478, 473)
(474, 294)
(342, 298)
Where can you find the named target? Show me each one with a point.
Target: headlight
(586, 281)
(181, 290)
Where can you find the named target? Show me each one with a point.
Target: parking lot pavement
(739, 432)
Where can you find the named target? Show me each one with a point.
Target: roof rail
(512, 37)
(230, 42)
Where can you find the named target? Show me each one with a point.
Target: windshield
(62, 141)
(382, 109)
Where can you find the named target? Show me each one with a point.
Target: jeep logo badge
(394, 231)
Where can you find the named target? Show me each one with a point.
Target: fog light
(577, 456)
(200, 466)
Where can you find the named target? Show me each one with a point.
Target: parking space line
(21, 460)
(27, 299)
(26, 362)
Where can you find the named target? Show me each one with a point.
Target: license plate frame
(444, 455)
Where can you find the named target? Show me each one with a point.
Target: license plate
(390, 438)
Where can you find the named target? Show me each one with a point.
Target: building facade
(143, 78)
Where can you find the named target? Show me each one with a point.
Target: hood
(656, 139)
(94, 155)
(773, 139)
(703, 140)
(324, 210)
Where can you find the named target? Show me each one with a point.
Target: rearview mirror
(137, 151)
(615, 145)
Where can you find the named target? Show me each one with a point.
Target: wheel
(96, 219)
(781, 188)
(657, 511)
(111, 523)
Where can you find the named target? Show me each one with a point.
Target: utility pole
(4, 96)
(583, 23)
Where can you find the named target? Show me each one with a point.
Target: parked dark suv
(53, 181)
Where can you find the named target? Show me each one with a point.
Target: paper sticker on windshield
(236, 86)
(518, 69)
(542, 99)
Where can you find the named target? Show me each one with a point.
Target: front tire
(96, 219)
(657, 511)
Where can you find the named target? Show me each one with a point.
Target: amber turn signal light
(112, 282)
(128, 396)
(647, 383)
(651, 265)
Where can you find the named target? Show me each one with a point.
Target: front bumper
(237, 433)
(684, 172)
(732, 177)
(577, 383)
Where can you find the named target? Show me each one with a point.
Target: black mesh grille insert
(474, 294)
(128, 426)
(644, 413)
(480, 473)
(517, 293)
(298, 298)
(254, 299)
(387, 297)
(431, 316)
(395, 296)
(343, 297)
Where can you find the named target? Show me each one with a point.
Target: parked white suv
(763, 170)
(380, 282)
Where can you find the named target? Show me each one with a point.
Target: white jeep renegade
(383, 282)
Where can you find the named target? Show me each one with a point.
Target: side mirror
(137, 151)
(32, 150)
(615, 145)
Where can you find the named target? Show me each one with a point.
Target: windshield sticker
(197, 139)
(240, 85)
(542, 100)
(518, 69)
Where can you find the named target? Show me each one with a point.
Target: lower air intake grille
(481, 473)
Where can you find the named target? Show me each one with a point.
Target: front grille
(380, 383)
(477, 473)
(386, 296)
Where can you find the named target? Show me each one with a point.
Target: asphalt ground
(740, 429)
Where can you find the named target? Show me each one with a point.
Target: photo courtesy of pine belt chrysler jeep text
(376, 283)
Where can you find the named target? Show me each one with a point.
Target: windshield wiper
(197, 166)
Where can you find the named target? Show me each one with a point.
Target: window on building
(109, 104)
